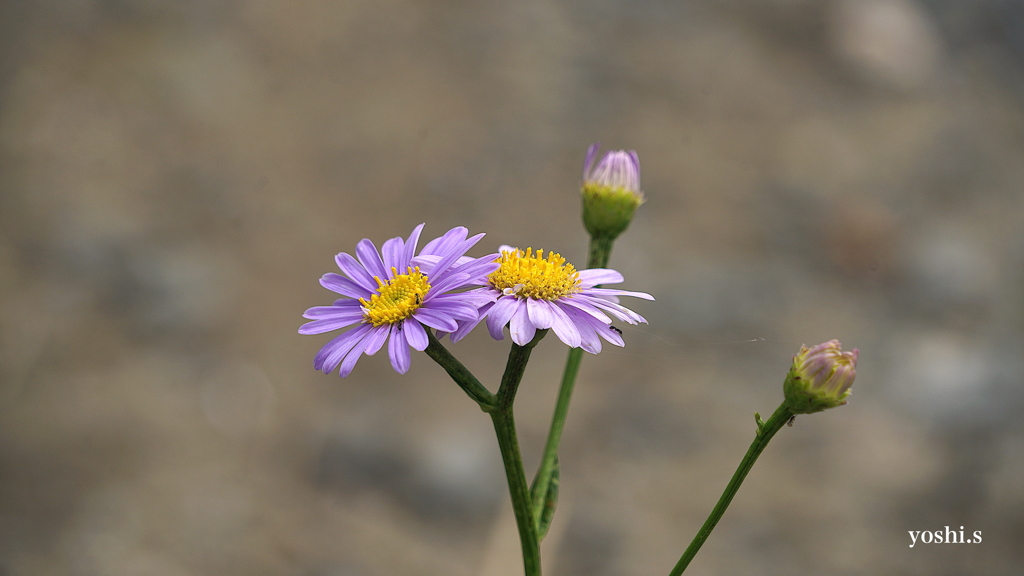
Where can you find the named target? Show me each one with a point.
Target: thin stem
(505, 428)
(462, 376)
(600, 251)
(765, 431)
(542, 480)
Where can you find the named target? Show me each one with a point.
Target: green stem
(505, 428)
(462, 376)
(765, 431)
(599, 253)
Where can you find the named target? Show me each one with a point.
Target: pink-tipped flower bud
(820, 378)
(611, 191)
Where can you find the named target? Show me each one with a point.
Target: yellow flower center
(526, 275)
(397, 298)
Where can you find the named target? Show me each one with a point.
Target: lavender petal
(377, 338)
(398, 352)
(368, 256)
(521, 328)
(330, 355)
(500, 315)
(594, 276)
(415, 334)
(564, 327)
(355, 271)
(341, 285)
(410, 245)
(540, 313)
(435, 319)
(391, 252)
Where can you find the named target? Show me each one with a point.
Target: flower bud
(820, 378)
(611, 191)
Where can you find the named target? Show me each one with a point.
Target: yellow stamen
(526, 275)
(397, 298)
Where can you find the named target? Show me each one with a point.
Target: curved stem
(460, 374)
(505, 428)
(765, 431)
(599, 253)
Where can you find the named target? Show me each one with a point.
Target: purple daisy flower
(530, 292)
(395, 293)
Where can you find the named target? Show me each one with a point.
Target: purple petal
(377, 338)
(398, 351)
(326, 323)
(540, 313)
(392, 252)
(591, 327)
(477, 297)
(426, 262)
(410, 244)
(620, 312)
(353, 356)
(445, 284)
(521, 328)
(613, 292)
(441, 246)
(328, 357)
(415, 334)
(588, 337)
(344, 286)
(370, 259)
(357, 273)
(318, 312)
(564, 327)
(594, 276)
(455, 309)
(447, 260)
(435, 319)
(636, 163)
(587, 308)
(588, 161)
(467, 326)
(608, 334)
(478, 268)
(500, 314)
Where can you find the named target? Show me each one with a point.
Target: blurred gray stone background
(175, 177)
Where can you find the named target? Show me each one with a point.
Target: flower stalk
(461, 375)
(765, 431)
(611, 194)
(505, 428)
(600, 252)
(819, 378)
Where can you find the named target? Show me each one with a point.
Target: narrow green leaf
(550, 500)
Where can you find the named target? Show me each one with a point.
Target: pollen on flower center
(397, 298)
(526, 275)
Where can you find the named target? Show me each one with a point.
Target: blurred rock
(892, 43)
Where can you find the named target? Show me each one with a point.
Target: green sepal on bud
(820, 378)
(611, 192)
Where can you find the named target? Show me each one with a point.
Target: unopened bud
(611, 191)
(820, 378)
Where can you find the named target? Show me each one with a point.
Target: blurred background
(176, 176)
